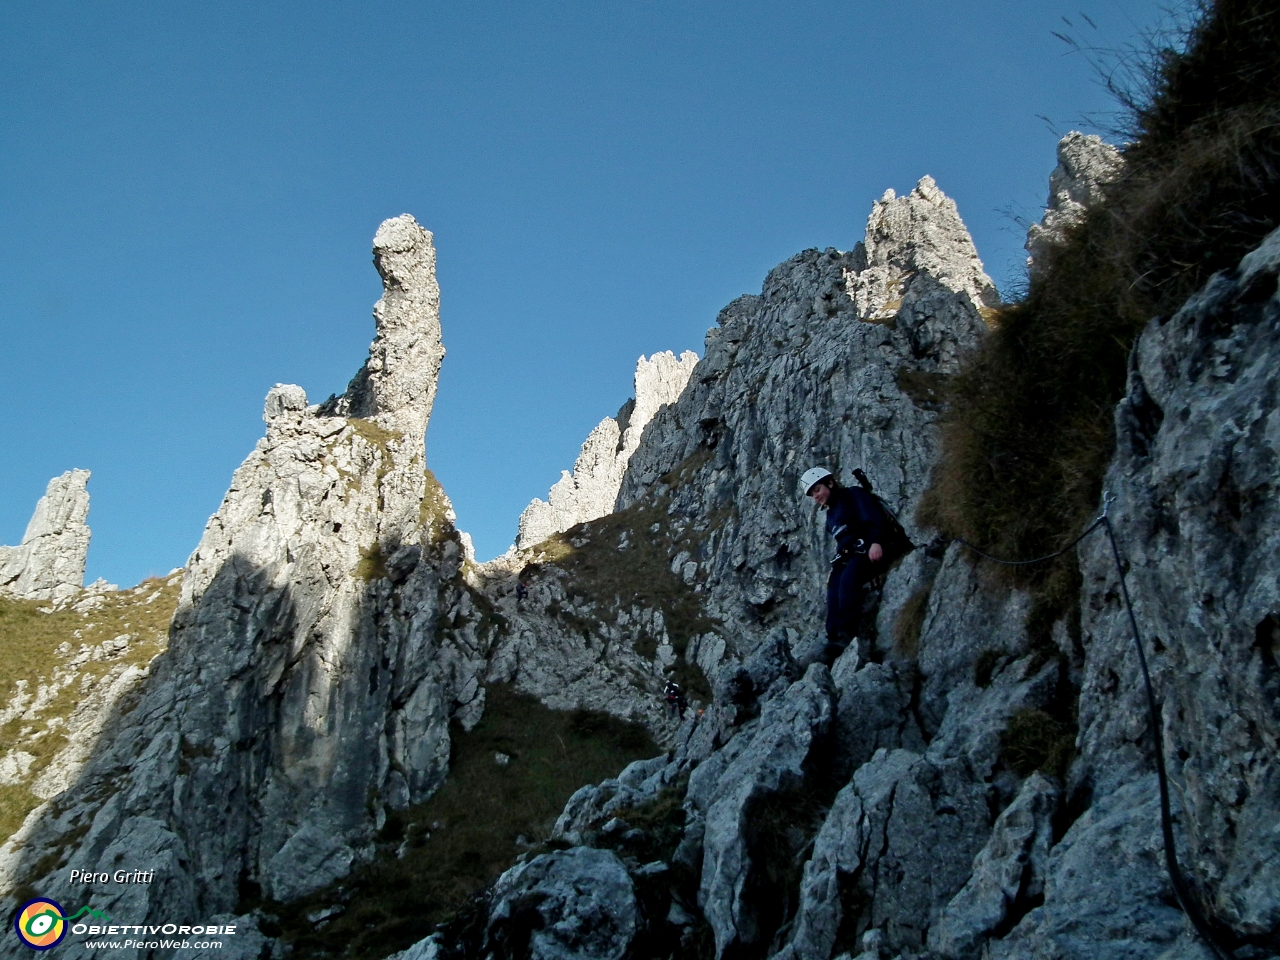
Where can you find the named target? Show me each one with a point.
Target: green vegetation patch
(34, 643)
(433, 512)
(378, 435)
(1029, 427)
(433, 858)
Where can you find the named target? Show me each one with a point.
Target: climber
(674, 698)
(859, 525)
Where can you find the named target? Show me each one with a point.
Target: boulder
(574, 904)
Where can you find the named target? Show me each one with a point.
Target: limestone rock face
(1086, 164)
(921, 232)
(324, 642)
(919, 835)
(1009, 869)
(590, 491)
(837, 362)
(397, 385)
(727, 795)
(49, 563)
(1195, 477)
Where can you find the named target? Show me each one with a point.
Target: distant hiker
(675, 698)
(522, 591)
(868, 539)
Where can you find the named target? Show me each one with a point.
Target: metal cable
(1186, 899)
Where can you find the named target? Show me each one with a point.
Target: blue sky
(188, 193)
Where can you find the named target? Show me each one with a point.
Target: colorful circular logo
(41, 924)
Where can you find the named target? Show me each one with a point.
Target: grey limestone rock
(1010, 870)
(397, 384)
(838, 361)
(590, 491)
(902, 834)
(1195, 480)
(1086, 164)
(768, 761)
(576, 904)
(324, 640)
(1106, 896)
(49, 563)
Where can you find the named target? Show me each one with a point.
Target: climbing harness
(1211, 932)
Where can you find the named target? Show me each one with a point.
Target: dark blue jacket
(853, 515)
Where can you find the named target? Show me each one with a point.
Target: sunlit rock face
(839, 361)
(1086, 164)
(49, 563)
(322, 646)
(877, 807)
(589, 492)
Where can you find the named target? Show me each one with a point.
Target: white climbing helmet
(811, 477)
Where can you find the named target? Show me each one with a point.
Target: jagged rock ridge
(590, 491)
(1086, 164)
(889, 778)
(871, 807)
(49, 563)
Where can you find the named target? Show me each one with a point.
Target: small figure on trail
(866, 543)
(522, 590)
(674, 697)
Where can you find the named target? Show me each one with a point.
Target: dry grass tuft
(1028, 430)
(910, 621)
(1033, 741)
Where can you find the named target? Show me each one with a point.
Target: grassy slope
(598, 571)
(38, 647)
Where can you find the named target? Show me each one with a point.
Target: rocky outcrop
(728, 791)
(1195, 478)
(49, 563)
(578, 903)
(590, 491)
(1086, 164)
(960, 783)
(890, 806)
(839, 361)
(324, 641)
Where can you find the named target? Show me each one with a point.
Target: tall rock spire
(397, 384)
(311, 680)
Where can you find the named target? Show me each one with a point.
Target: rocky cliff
(324, 641)
(49, 563)
(1086, 164)
(964, 783)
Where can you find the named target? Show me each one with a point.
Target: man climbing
(674, 698)
(860, 527)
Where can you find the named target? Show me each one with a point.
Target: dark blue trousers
(844, 595)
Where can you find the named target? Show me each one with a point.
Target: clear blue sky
(188, 192)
